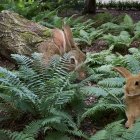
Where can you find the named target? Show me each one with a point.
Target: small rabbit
(132, 95)
(62, 42)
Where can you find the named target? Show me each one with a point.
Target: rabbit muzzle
(132, 94)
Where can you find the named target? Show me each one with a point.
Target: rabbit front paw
(128, 124)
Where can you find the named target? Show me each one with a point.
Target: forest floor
(135, 14)
(89, 126)
(99, 45)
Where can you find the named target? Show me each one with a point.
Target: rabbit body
(62, 42)
(48, 50)
(131, 96)
(132, 110)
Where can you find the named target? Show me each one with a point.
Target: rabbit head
(132, 86)
(63, 40)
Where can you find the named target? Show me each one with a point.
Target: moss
(47, 33)
(31, 38)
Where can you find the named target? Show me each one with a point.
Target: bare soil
(6, 63)
(135, 14)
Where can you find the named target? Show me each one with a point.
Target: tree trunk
(90, 7)
(19, 35)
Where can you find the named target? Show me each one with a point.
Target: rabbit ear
(59, 40)
(123, 71)
(69, 36)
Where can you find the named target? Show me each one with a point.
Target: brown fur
(62, 42)
(132, 95)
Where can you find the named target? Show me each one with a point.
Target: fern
(10, 81)
(123, 39)
(97, 91)
(134, 133)
(116, 131)
(33, 128)
(102, 107)
(112, 131)
(16, 135)
(42, 93)
(56, 135)
(65, 116)
(132, 63)
(112, 82)
(109, 90)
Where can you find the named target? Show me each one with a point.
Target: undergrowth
(38, 102)
(110, 91)
(40, 99)
(47, 101)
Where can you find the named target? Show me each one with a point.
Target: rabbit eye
(72, 60)
(136, 83)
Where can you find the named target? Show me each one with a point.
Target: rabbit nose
(129, 90)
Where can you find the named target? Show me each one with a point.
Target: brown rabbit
(62, 42)
(132, 95)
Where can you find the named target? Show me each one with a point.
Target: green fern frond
(21, 136)
(78, 133)
(102, 107)
(12, 82)
(112, 82)
(57, 99)
(98, 91)
(22, 60)
(98, 58)
(112, 131)
(64, 97)
(133, 133)
(99, 135)
(104, 69)
(116, 91)
(65, 116)
(4, 135)
(51, 120)
(17, 135)
(133, 63)
(33, 128)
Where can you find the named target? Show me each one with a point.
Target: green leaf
(84, 34)
(128, 20)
